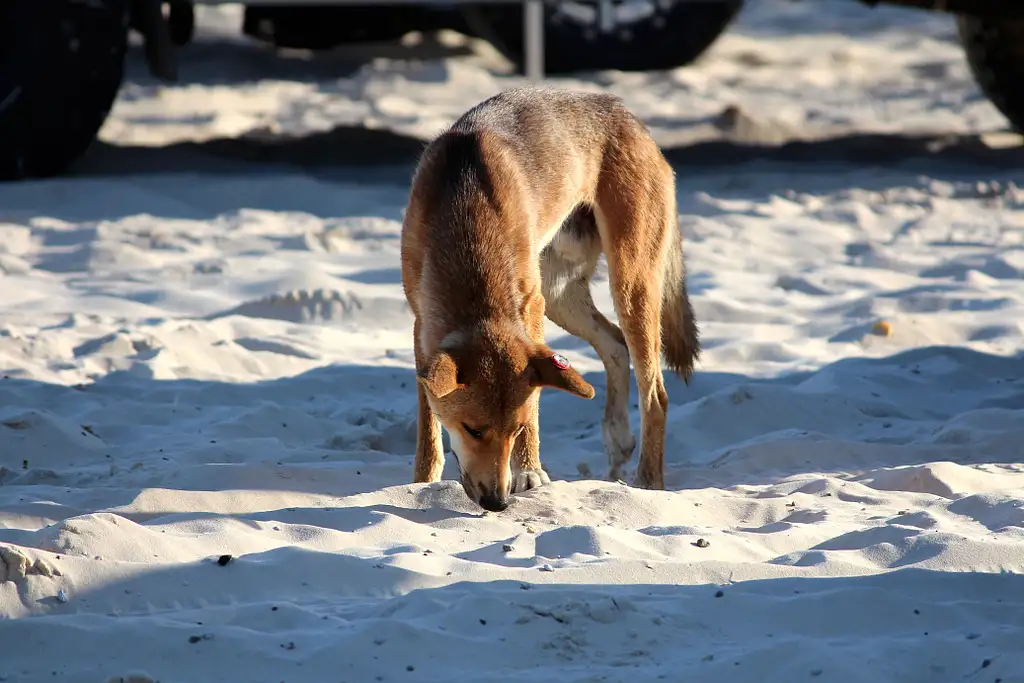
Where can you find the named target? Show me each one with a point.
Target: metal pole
(533, 39)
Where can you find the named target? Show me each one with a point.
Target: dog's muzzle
(493, 503)
(488, 499)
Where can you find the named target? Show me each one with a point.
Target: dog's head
(481, 389)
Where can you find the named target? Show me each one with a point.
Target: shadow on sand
(292, 614)
(356, 147)
(305, 433)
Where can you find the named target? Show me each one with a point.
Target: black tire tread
(61, 66)
(689, 31)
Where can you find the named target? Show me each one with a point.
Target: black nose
(493, 503)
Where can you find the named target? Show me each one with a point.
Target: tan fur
(509, 211)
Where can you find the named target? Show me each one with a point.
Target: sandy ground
(206, 358)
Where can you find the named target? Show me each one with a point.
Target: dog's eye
(475, 433)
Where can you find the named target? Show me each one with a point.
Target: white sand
(208, 363)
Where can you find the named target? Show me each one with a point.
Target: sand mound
(325, 307)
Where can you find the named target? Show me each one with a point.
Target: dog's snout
(492, 502)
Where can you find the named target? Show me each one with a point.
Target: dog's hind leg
(635, 229)
(567, 265)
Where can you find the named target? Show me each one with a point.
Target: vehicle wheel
(61, 64)
(639, 35)
(995, 54)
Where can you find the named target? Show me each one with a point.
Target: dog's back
(542, 124)
(556, 138)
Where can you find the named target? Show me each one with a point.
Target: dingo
(509, 211)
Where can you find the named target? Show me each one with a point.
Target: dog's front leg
(429, 452)
(527, 472)
(429, 461)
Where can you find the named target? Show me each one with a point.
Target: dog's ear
(440, 376)
(550, 369)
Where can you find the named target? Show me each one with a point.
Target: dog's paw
(524, 480)
(645, 480)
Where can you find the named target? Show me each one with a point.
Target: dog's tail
(680, 338)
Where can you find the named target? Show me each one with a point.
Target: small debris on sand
(882, 328)
(134, 677)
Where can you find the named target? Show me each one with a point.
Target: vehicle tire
(61, 64)
(670, 34)
(995, 55)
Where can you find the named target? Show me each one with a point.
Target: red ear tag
(560, 361)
